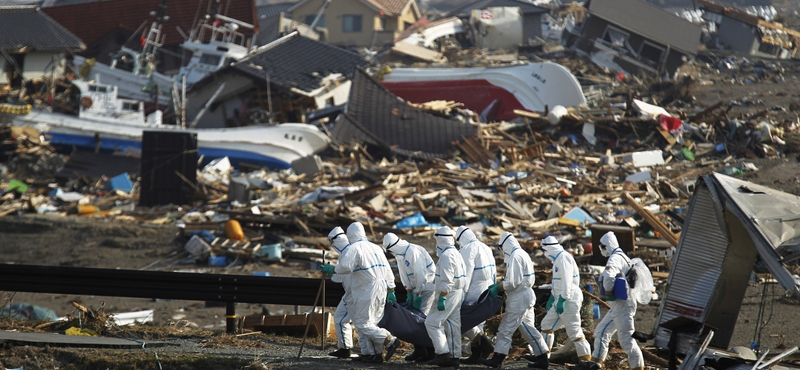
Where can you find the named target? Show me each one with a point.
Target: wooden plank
(651, 219)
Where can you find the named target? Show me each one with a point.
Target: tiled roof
(91, 21)
(268, 10)
(380, 118)
(391, 6)
(526, 7)
(29, 27)
(299, 62)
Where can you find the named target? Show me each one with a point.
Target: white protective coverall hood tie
(567, 293)
(619, 319)
(481, 273)
(444, 326)
(341, 317)
(371, 276)
(518, 284)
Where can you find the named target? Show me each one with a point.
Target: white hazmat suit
(619, 319)
(416, 269)
(520, 300)
(481, 272)
(567, 297)
(341, 317)
(370, 279)
(444, 323)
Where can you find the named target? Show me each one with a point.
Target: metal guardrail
(168, 285)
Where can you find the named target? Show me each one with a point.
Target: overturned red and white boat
(493, 92)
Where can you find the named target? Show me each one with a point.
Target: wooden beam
(651, 219)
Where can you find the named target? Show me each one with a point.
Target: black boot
(341, 353)
(540, 362)
(496, 361)
(376, 359)
(586, 365)
(392, 347)
(419, 353)
(361, 358)
(486, 346)
(430, 355)
(474, 357)
(440, 360)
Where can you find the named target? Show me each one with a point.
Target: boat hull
(275, 147)
(497, 91)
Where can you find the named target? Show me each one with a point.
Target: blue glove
(417, 302)
(326, 268)
(610, 297)
(550, 302)
(494, 290)
(441, 303)
(560, 305)
(390, 297)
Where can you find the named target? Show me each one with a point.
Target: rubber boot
(541, 362)
(376, 359)
(431, 354)
(474, 357)
(439, 360)
(486, 346)
(419, 353)
(496, 361)
(394, 344)
(341, 353)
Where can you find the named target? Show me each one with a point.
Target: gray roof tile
(29, 27)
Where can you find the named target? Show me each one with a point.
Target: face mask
(604, 250)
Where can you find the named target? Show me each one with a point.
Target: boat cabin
(100, 102)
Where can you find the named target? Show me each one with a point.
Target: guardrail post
(230, 317)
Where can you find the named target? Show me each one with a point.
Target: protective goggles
(500, 245)
(331, 239)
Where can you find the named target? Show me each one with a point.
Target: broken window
(351, 23)
(651, 52)
(769, 48)
(310, 19)
(211, 59)
(615, 37)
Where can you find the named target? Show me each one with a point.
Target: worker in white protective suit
(619, 319)
(520, 299)
(444, 323)
(481, 273)
(566, 298)
(341, 317)
(372, 284)
(417, 270)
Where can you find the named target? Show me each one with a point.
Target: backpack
(640, 281)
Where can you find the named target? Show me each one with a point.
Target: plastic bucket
(270, 251)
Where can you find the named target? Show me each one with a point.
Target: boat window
(95, 88)
(130, 106)
(211, 59)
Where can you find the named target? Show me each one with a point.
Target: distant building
(361, 23)
(32, 44)
(749, 34)
(531, 14)
(635, 36)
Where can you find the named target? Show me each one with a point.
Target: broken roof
(389, 7)
(92, 21)
(525, 7)
(650, 21)
(27, 27)
(378, 117)
(268, 10)
(730, 224)
(745, 18)
(296, 61)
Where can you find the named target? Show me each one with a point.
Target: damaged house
(749, 34)
(732, 227)
(634, 37)
(282, 81)
(385, 122)
(363, 23)
(531, 15)
(31, 44)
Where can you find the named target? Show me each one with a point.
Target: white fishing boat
(109, 123)
(493, 91)
(214, 43)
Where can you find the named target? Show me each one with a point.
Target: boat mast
(152, 41)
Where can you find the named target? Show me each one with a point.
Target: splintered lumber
(651, 219)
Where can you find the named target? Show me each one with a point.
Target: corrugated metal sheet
(697, 263)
